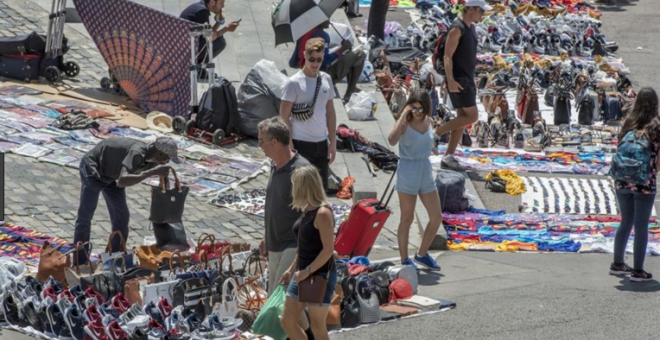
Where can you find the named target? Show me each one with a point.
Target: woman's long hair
(418, 96)
(644, 116)
(307, 188)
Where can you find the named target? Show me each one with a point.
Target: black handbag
(167, 204)
(195, 294)
(350, 311)
(170, 236)
(380, 285)
(107, 283)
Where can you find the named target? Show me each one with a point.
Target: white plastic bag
(367, 74)
(271, 76)
(362, 106)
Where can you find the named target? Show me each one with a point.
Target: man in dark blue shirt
(200, 12)
(343, 63)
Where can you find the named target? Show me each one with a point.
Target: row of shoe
(50, 310)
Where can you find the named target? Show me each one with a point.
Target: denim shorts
(292, 290)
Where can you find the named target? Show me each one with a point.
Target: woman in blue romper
(414, 133)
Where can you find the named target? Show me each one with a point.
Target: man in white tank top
(307, 108)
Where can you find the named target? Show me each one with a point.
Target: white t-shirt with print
(300, 90)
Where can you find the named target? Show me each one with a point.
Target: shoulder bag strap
(319, 80)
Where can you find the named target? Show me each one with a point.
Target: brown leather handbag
(133, 288)
(151, 257)
(52, 262)
(333, 320)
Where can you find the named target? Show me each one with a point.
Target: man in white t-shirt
(308, 110)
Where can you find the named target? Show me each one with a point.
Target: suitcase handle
(380, 204)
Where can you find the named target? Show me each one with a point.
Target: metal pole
(194, 33)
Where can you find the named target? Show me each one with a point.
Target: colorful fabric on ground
(496, 231)
(514, 184)
(559, 162)
(25, 244)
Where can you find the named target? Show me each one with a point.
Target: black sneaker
(36, 285)
(73, 319)
(640, 276)
(152, 310)
(79, 301)
(43, 318)
(621, 269)
(12, 306)
(62, 306)
(55, 318)
(30, 309)
(139, 334)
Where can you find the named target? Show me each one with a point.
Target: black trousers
(317, 154)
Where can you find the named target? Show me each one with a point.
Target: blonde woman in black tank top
(315, 230)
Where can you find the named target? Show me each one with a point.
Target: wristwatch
(308, 270)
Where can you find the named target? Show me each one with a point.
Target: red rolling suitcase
(359, 232)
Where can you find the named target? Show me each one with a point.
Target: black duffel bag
(32, 43)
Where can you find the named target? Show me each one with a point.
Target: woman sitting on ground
(315, 230)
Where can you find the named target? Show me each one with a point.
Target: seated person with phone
(200, 12)
(341, 63)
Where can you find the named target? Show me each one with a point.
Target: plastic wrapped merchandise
(259, 96)
(362, 106)
(338, 33)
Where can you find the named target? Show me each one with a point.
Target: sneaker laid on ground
(451, 163)
(211, 334)
(152, 310)
(91, 293)
(212, 322)
(55, 319)
(31, 312)
(92, 315)
(620, 269)
(57, 285)
(193, 322)
(115, 332)
(156, 330)
(164, 307)
(640, 276)
(409, 262)
(139, 334)
(74, 320)
(120, 304)
(43, 318)
(426, 261)
(76, 290)
(230, 324)
(48, 292)
(95, 332)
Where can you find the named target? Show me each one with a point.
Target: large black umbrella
(293, 18)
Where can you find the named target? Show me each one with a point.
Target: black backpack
(438, 57)
(383, 158)
(220, 110)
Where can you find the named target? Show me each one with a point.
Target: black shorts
(467, 97)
